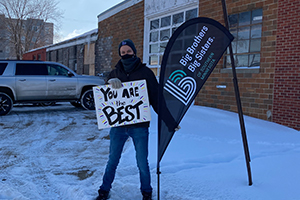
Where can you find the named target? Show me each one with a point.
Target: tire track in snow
(46, 144)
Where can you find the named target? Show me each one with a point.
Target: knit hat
(129, 43)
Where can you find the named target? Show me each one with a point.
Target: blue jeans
(118, 137)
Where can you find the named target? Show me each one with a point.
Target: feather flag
(189, 58)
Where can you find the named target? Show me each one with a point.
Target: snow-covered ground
(57, 153)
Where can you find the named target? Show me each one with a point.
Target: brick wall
(270, 92)
(256, 86)
(286, 108)
(34, 55)
(103, 52)
(129, 23)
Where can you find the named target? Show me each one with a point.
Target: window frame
(172, 27)
(235, 30)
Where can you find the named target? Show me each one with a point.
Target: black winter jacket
(140, 72)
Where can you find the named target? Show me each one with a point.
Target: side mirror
(70, 74)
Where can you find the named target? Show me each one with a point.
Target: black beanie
(129, 43)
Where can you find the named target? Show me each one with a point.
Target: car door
(62, 84)
(30, 81)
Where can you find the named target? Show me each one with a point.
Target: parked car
(44, 82)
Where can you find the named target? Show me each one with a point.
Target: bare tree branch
(29, 23)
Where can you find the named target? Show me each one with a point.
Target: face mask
(126, 56)
(129, 62)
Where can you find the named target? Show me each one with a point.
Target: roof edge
(116, 9)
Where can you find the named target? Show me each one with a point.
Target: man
(130, 68)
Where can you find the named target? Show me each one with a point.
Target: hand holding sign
(126, 105)
(115, 83)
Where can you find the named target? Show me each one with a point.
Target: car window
(56, 70)
(31, 69)
(2, 67)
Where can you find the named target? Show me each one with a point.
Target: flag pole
(238, 99)
(158, 144)
(158, 181)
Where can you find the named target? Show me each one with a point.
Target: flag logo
(181, 86)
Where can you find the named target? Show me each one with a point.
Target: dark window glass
(244, 18)
(234, 47)
(233, 20)
(243, 33)
(154, 24)
(178, 18)
(153, 48)
(163, 46)
(242, 61)
(166, 21)
(31, 69)
(254, 60)
(154, 36)
(234, 33)
(2, 67)
(153, 60)
(228, 61)
(257, 16)
(243, 46)
(256, 31)
(165, 35)
(255, 45)
(190, 14)
(57, 70)
(160, 59)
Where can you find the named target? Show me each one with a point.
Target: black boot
(147, 195)
(103, 195)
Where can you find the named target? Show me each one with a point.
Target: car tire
(76, 104)
(87, 100)
(6, 104)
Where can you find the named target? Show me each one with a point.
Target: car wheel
(6, 104)
(87, 100)
(76, 104)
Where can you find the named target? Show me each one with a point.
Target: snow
(57, 153)
(85, 38)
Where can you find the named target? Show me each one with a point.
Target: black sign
(190, 56)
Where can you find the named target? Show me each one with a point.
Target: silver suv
(38, 82)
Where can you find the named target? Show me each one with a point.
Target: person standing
(130, 68)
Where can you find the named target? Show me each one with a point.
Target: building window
(160, 31)
(246, 28)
